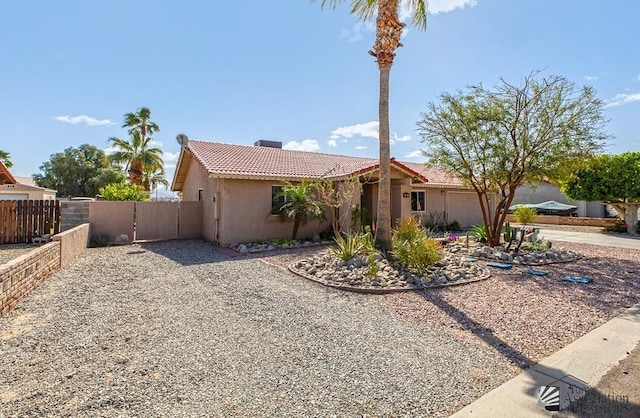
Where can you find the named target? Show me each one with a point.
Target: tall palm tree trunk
(383, 226)
(388, 33)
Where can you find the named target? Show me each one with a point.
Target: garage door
(464, 208)
(14, 197)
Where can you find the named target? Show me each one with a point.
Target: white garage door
(14, 197)
(464, 208)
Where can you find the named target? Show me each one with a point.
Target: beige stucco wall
(9, 191)
(245, 207)
(112, 218)
(451, 204)
(400, 206)
(197, 178)
(73, 242)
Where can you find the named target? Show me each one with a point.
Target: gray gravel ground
(177, 329)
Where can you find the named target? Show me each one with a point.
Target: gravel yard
(175, 328)
(10, 251)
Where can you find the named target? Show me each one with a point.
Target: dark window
(277, 200)
(418, 202)
(199, 195)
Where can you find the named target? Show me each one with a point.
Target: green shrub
(372, 266)
(618, 226)
(412, 248)
(124, 191)
(524, 215)
(479, 232)
(351, 244)
(454, 226)
(99, 240)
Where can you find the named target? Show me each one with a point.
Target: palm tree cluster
(142, 161)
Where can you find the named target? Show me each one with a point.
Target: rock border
(385, 290)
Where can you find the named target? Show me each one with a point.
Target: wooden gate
(22, 220)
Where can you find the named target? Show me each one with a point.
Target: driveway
(178, 329)
(593, 238)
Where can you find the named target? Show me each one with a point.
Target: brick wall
(19, 276)
(568, 220)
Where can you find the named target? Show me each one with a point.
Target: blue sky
(237, 72)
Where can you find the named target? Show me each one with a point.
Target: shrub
(351, 244)
(99, 240)
(412, 248)
(454, 226)
(618, 226)
(524, 215)
(124, 191)
(479, 232)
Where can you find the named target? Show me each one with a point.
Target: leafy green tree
(300, 204)
(137, 154)
(78, 171)
(610, 178)
(498, 139)
(388, 34)
(5, 157)
(124, 191)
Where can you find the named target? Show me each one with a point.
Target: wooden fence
(22, 220)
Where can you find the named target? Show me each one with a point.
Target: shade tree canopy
(497, 139)
(78, 171)
(614, 179)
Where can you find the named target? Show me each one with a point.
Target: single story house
(238, 185)
(21, 188)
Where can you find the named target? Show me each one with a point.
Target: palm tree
(5, 157)
(137, 157)
(388, 33)
(300, 204)
(155, 179)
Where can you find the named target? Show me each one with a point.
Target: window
(199, 195)
(418, 202)
(277, 200)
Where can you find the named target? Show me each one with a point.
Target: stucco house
(21, 188)
(238, 185)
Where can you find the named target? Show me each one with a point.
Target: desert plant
(372, 265)
(524, 215)
(351, 244)
(479, 232)
(99, 240)
(124, 191)
(510, 234)
(454, 226)
(412, 248)
(300, 204)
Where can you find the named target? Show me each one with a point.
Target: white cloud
(83, 119)
(623, 99)
(170, 157)
(355, 34)
(414, 154)
(361, 147)
(367, 130)
(306, 145)
(332, 143)
(395, 138)
(445, 6)
(591, 77)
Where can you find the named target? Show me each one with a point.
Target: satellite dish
(182, 140)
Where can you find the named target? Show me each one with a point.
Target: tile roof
(436, 176)
(252, 161)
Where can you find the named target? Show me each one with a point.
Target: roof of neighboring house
(26, 180)
(255, 162)
(18, 187)
(5, 175)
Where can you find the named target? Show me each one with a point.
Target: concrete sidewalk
(574, 370)
(594, 238)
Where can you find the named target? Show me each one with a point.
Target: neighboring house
(5, 175)
(238, 185)
(22, 188)
(544, 192)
